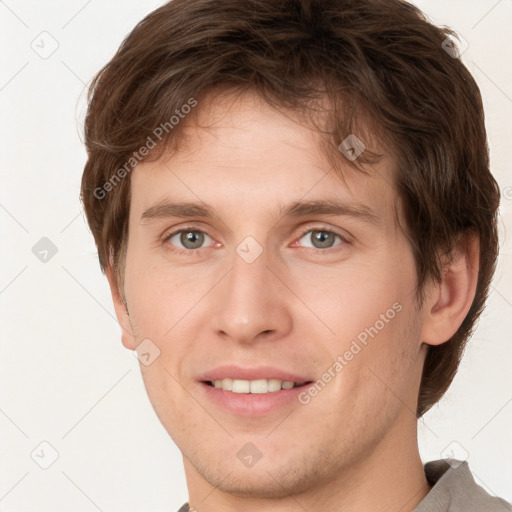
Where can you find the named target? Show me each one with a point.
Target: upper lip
(261, 372)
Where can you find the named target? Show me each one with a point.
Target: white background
(65, 377)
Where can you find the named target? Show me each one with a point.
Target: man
(293, 206)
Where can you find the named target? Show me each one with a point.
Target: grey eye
(188, 239)
(320, 239)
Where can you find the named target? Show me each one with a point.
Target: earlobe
(121, 309)
(449, 301)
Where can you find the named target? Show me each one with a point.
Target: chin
(263, 483)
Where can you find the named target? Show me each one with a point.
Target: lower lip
(251, 404)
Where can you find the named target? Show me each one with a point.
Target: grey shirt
(453, 490)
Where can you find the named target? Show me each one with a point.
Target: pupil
(322, 239)
(192, 239)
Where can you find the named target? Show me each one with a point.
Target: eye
(321, 238)
(189, 239)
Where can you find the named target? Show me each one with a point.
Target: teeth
(241, 386)
(254, 386)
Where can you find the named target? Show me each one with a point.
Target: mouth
(252, 392)
(258, 386)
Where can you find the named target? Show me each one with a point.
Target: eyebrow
(330, 207)
(166, 209)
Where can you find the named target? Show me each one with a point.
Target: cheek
(380, 373)
(350, 299)
(160, 299)
(372, 314)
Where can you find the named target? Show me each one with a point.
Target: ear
(449, 301)
(121, 309)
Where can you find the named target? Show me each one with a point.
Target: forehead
(238, 151)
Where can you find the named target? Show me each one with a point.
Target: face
(283, 271)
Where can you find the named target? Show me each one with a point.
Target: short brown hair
(379, 60)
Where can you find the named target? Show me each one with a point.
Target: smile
(259, 386)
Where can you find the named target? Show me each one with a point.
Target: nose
(251, 302)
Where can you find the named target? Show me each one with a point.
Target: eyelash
(193, 252)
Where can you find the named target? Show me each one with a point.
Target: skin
(354, 445)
